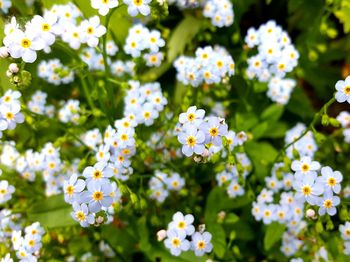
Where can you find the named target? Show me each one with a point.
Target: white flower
(138, 6)
(343, 90)
(176, 242)
(201, 243)
(182, 224)
(25, 45)
(103, 6)
(92, 30)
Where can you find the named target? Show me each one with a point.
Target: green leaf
(343, 15)
(52, 212)
(218, 239)
(120, 23)
(273, 234)
(182, 35)
(273, 112)
(123, 240)
(300, 105)
(259, 130)
(262, 155)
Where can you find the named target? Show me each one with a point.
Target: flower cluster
(140, 39)
(345, 235)
(196, 132)
(54, 72)
(317, 190)
(8, 223)
(121, 68)
(37, 104)
(343, 90)
(27, 247)
(219, 11)
(161, 183)
(211, 65)
(40, 33)
(143, 103)
(10, 107)
(280, 90)
(6, 191)
(230, 177)
(69, 111)
(344, 120)
(276, 57)
(179, 229)
(47, 162)
(95, 193)
(296, 189)
(306, 146)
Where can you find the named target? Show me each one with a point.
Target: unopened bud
(13, 68)
(4, 52)
(201, 228)
(221, 215)
(205, 153)
(310, 213)
(197, 159)
(161, 234)
(8, 73)
(99, 220)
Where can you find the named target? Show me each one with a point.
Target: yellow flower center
(214, 131)
(97, 195)
(306, 190)
(26, 43)
(124, 137)
(7, 99)
(347, 90)
(45, 27)
(191, 117)
(305, 167)
(328, 203)
(70, 190)
(80, 215)
(191, 140)
(90, 30)
(147, 115)
(10, 116)
(201, 244)
(331, 181)
(97, 174)
(175, 242)
(181, 225)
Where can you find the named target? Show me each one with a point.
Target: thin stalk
(311, 127)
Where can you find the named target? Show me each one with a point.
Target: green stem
(311, 127)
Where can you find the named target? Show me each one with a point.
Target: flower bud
(201, 228)
(221, 215)
(4, 52)
(99, 220)
(310, 213)
(161, 234)
(205, 153)
(8, 73)
(13, 68)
